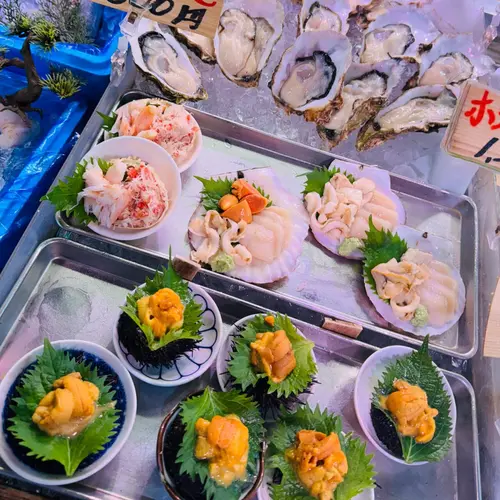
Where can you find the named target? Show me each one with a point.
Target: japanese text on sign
(474, 132)
(200, 16)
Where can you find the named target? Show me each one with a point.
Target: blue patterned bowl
(50, 472)
(190, 365)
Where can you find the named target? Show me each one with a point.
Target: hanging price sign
(474, 130)
(198, 16)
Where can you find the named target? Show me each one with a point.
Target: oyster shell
(247, 33)
(321, 15)
(366, 90)
(160, 57)
(309, 77)
(421, 109)
(452, 60)
(201, 45)
(401, 31)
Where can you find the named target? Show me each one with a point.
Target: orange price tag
(198, 16)
(474, 130)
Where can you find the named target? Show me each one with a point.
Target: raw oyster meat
(401, 31)
(247, 33)
(161, 58)
(421, 109)
(321, 15)
(452, 60)
(201, 45)
(366, 90)
(309, 77)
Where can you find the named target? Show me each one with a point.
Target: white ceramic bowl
(198, 141)
(38, 477)
(223, 357)
(366, 381)
(194, 363)
(163, 165)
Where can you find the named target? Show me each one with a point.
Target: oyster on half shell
(201, 45)
(321, 15)
(160, 57)
(421, 109)
(247, 33)
(366, 90)
(309, 77)
(452, 60)
(399, 32)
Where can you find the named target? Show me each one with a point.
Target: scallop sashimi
(340, 202)
(408, 286)
(248, 227)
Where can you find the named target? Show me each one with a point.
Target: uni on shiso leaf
(232, 417)
(271, 362)
(161, 320)
(344, 457)
(427, 436)
(83, 401)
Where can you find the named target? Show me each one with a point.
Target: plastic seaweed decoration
(64, 83)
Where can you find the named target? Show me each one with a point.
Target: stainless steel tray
(322, 281)
(68, 290)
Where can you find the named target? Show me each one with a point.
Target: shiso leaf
(206, 406)
(317, 178)
(360, 475)
(418, 369)
(167, 278)
(34, 385)
(64, 196)
(379, 247)
(108, 121)
(244, 373)
(214, 189)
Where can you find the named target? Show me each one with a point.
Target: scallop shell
(382, 179)
(362, 104)
(373, 134)
(148, 30)
(341, 9)
(268, 10)
(463, 44)
(286, 263)
(415, 239)
(422, 31)
(339, 50)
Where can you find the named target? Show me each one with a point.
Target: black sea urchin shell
(386, 432)
(134, 341)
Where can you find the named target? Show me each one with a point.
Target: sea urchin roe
(409, 407)
(273, 354)
(69, 408)
(161, 311)
(319, 462)
(223, 441)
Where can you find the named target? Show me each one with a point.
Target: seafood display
(248, 227)
(408, 286)
(160, 57)
(309, 78)
(245, 38)
(270, 360)
(421, 109)
(166, 124)
(164, 320)
(411, 417)
(341, 203)
(315, 458)
(212, 446)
